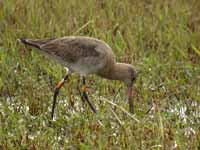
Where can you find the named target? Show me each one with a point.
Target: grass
(161, 40)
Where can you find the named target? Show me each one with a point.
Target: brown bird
(85, 55)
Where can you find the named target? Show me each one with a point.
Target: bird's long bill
(130, 99)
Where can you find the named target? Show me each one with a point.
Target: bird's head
(130, 75)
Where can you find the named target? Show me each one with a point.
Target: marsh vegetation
(160, 38)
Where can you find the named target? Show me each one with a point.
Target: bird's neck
(118, 71)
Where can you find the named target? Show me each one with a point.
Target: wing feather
(71, 49)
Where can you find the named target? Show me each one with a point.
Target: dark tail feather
(35, 43)
(30, 43)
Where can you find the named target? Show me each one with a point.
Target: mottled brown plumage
(86, 55)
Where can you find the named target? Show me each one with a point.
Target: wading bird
(85, 55)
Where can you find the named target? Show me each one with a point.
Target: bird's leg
(85, 96)
(56, 92)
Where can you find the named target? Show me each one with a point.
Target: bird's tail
(34, 43)
(29, 42)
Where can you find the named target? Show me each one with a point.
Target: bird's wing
(71, 49)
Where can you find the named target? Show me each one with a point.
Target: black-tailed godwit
(85, 55)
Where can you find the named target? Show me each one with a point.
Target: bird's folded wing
(71, 50)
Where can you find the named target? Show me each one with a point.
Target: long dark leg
(85, 96)
(56, 92)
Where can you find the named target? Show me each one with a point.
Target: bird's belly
(84, 67)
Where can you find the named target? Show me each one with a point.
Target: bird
(85, 55)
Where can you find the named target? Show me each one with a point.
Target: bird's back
(81, 54)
